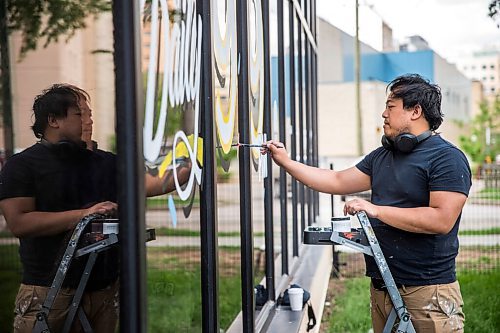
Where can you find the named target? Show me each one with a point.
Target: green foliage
(223, 175)
(233, 153)
(494, 11)
(112, 143)
(475, 144)
(50, 19)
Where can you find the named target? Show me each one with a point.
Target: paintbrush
(251, 145)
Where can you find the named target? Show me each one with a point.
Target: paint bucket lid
(341, 218)
(341, 224)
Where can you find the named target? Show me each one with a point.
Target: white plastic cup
(341, 224)
(296, 296)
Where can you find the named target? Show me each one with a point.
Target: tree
(50, 19)
(494, 11)
(37, 19)
(483, 142)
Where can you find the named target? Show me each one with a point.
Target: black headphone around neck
(404, 142)
(65, 148)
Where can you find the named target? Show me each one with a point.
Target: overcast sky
(451, 27)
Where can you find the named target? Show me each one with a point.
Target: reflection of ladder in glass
(364, 240)
(100, 242)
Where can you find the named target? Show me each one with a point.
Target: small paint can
(341, 224)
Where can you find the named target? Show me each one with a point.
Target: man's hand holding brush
(277, 151)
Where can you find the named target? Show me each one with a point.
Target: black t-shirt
(61, 182)
(406, 180)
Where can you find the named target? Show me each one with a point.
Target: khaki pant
(434, 308)
(101, 308)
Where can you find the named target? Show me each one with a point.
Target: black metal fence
(192, 78)
(242, 71)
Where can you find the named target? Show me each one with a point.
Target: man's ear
(417, 112)
(52, 121)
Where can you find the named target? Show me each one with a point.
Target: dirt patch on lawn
(478, 259)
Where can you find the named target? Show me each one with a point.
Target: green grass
(351, 313)
(6, 234)
(174, 300)
(174, 292)
(489, 193)
(479, 291)
(481, 301)
(176, 232)
(490, 231)
(10, 277)
(161, 202)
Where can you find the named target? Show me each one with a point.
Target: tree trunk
(6, 88)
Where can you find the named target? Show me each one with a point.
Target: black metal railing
(296, 111)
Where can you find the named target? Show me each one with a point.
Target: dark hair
(55, 101)
(414, 90)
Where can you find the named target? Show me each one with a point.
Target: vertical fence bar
(307, 77)
(315, 135)
(315, 97)
(130, 165)
(208, 191)
(268, 181)
(247, 293)
(293, 117)
(301, 125)
(282, 130)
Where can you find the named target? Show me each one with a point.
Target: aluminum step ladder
(99, 241)
(364, 240)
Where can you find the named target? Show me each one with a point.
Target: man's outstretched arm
(156, 185)
(347, 181)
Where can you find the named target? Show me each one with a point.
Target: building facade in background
(336, 89)
(483, 67)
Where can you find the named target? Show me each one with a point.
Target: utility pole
(5, 81)
(357, 74)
